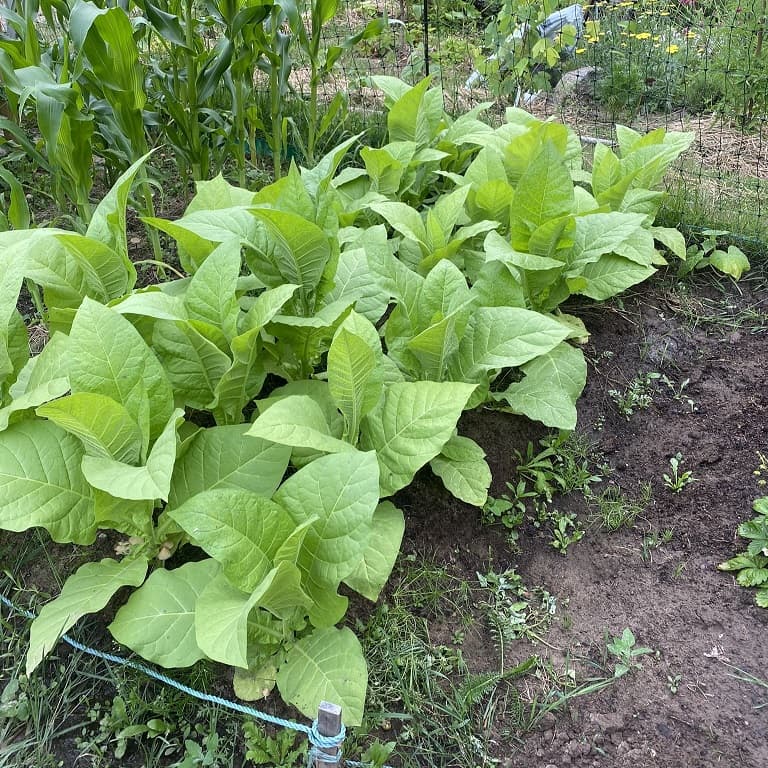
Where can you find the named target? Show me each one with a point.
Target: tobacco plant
(383, 300)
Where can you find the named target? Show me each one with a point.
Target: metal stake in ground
(329, 724)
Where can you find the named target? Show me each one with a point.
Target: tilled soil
(699, 623)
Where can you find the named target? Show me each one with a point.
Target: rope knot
(321, 744)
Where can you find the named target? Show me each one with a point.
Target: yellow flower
(673, 48)
(663, 13)
(593, 39)
(580, 50)
(690, 34)
(643, 36)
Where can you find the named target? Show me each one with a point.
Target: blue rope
(320, 743)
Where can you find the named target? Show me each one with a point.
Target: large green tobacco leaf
(217, 193)
(503, 337)
(553, 383)
(158, 621)
(222, 613)
(544, 192)
(221, 622)
(373, 570)
(36, 396)
(152, 481)
(211, 296)
(462, 467)
(87, 590)
(416, 115)
(609, 276)
(104, 426)
(327, 665)
(109, 275)
(108, 356)
(351, 380)
(225, 457)
(619, 233)
(193, 363)
(355, 282)
(108, 223)
(238, 529)
(41, 483)
(409, 426)
(342, 490)
(298, 421)
(301, 249)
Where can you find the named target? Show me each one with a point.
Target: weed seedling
(673, 683)
(677, 480)
(625, 652)
(654, 540)
(637, 396)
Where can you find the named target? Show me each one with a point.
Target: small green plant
(676, 480)
(280, 749)
(565, 531)
(762, 470)
(378, 753)
(623, 648)
(513, 610)
(673, 683)
(708, 253)
(652, 541)
(614, 509)
(751, 566)
(637, 396)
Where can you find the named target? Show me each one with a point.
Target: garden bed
(685, 707)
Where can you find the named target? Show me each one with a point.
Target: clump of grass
(613, 509)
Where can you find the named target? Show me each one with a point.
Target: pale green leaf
(211, 296)
(41, 483)
(104, 426)
(221, 622)
(373, 570)
(327, 665)
(225, 457)
(553, 383)
(409, 426)
(107, 356)
(342, 490)
(238, 529)
(43, 393)
(297, 421)
(158, 621)
(152, 481)
(462, 467)
(87, 590)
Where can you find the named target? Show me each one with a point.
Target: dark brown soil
(694, 617)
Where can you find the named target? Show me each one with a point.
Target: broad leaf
(152, 481)
(108, 356)
(327, 665)
(225, 457)
(462, 467)
(298, 421)
(409, 426)
(41, 483)
(158, 621)
(104, 426)
(553, 383)
(88, 590)
(238, 529)
(342, 490)
(373, 570)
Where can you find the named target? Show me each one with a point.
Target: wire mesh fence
(692, 65)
